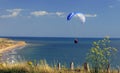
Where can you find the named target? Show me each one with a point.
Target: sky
(47, 18)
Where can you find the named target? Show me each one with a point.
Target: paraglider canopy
(77, 14)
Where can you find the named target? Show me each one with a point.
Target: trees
(99, 56)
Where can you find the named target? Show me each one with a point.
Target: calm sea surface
(62, 50)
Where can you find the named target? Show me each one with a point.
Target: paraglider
(77, 14)
(80, 16)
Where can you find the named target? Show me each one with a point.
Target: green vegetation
(100, 55)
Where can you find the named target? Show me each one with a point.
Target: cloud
(90, 15)
(43, 13)
(13, 13)
(39, 13)
(59, 13)
(111, 6)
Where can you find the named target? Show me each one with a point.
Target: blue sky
(47, 18)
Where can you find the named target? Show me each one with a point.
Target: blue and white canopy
(77, 14)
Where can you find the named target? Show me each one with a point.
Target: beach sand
(15, 44)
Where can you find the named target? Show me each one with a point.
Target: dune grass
(30, 67)
(41, 67)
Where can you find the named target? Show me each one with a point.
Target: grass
(41, 67)
(25, 67)
(29, 67)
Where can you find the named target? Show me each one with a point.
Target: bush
(99, 56)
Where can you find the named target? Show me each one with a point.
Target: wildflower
(30, 63)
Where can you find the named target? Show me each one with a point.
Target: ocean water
(55, 50)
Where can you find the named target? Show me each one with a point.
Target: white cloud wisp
(13, 13)
(43, 13)
(90, 15)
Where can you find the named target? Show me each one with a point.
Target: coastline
(13, 44)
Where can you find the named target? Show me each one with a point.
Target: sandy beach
(11, 46)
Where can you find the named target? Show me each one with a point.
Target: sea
(58, 50)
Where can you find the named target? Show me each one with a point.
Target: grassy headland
(8, 44)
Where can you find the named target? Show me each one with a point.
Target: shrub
(99, 56)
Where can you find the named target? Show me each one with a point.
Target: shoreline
(11, 46)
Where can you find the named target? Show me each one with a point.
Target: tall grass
(41, 67)
(26, 67)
